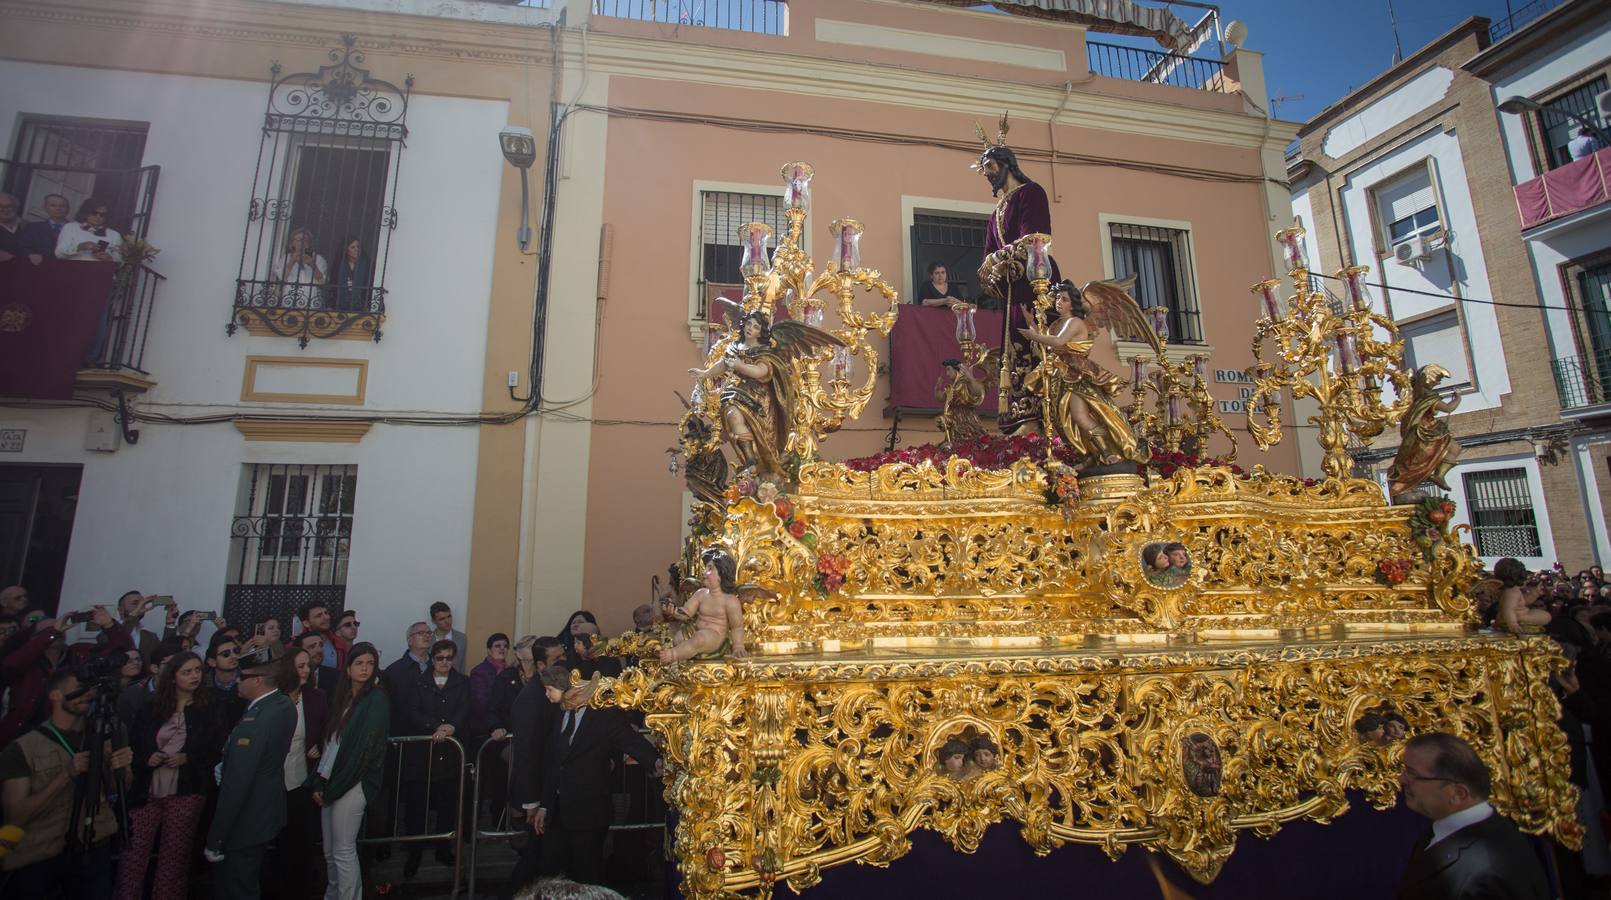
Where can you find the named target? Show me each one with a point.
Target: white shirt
(74, 234)
(301, 273)
(1453, 822)
(1583, 145)
(327, 759)
(296, 758)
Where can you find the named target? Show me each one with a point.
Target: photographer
(26, 663)
(303, 266)
(38, 772)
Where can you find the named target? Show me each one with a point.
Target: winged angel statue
(1077, 393)
(756, 388)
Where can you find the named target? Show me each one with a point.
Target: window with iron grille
(953, 240)
(1161, 261)
(720, 250)
(81, 158)
(1558, 128)
(290, 539)
(1500, 506)
(323, 203)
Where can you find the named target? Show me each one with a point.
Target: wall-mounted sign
(11, 439)
(1232, 376)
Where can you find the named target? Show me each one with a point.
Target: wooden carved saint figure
(1079, 394)
(1426, 450)
(757, 394)
(715, 610)
(960, 394)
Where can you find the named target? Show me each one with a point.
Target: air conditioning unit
(1412, 251)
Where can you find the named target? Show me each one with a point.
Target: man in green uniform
(251, 786)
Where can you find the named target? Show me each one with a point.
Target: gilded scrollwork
(782, 769)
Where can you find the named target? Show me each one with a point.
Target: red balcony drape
(49, 317)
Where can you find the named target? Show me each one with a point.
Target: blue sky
(1324, 49)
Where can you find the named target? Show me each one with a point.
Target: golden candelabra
(1183, 413)
(819, 409)
(1336, 357)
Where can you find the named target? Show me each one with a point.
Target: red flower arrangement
(1392, 572)
(999, 451)
(831, 571)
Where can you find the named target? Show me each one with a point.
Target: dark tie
(570, 726)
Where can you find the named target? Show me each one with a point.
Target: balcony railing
(1520, 18)
(1574, 187)
(755, 16)
(1582, 381)
(305, 311)
(120, 343)
(1136, 64)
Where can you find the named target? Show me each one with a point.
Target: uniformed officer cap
(261, 660)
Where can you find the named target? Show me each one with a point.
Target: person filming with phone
(88, 238)
(303, 268)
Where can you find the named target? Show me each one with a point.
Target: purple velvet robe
(1024, 211)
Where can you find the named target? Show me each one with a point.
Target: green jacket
(361, 758)
(251, 796)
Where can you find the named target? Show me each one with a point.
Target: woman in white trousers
(351, 767)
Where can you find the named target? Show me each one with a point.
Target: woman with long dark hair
(350, 767)
(287, 870)
(177, 739)
(352, 276)
(579, 636)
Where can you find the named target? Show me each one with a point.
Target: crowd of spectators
(258, 757)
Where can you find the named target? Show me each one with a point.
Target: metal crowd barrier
(396, 811)
(503, 828)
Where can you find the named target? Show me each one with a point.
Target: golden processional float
(946, 646)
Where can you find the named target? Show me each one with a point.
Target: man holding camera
(38, 777)
(251, 786)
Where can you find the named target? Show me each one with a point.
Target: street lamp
(1517, 105)
(520, 149)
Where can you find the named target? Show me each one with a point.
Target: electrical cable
(1403, 290)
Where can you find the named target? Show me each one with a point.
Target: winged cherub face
(1065, 304)
(752, 331)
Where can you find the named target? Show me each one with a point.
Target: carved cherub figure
(715, 610)
(1426, 450)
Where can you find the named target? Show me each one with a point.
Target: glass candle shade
(1267, 297)
(841, 363)
(813, 314)
(1354, 278)
(754, 237)
(797, 185)
(1199, 364)
(1138, 371)
(1160, 321)
(1346, 357)
(1038, 265)
(847, 243)
(965, 328)
(1174, 410)
(1291, 240)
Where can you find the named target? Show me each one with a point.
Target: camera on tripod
(101, 672)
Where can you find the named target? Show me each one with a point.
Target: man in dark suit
(38, 239)
(1469, 851)
(574, 814)
(251, 788)
(531, 720)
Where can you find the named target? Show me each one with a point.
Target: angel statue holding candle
(1078, 394)
(757, 393)
(1426, 450)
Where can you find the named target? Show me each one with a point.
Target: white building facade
(299, 436)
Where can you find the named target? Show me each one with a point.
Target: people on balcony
(352, 277)
(11, 245)
(89, 238)
(1585, 144)
(39, 239)
(937, 291)
(304, 271)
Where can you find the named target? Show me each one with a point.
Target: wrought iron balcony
(1520, 18)
(1583, 381)
(120, 347)
(1136, 64)
(306, 311)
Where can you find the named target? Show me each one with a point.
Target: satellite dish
(1235, 34)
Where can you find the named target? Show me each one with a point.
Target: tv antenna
(1277, 101)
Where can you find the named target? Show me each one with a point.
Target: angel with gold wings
(1079, 394)
(757, 393)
